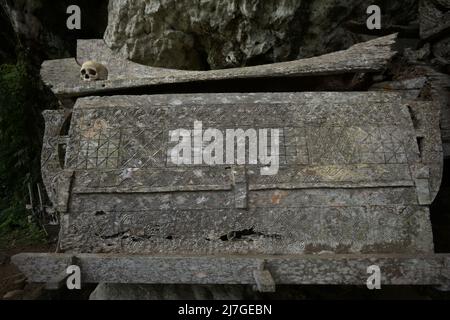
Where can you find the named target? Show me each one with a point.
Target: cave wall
(215, 34)
(40, 26)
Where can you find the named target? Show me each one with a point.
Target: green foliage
(15, 229)
(22, 99)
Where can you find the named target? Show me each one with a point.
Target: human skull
(93, 71)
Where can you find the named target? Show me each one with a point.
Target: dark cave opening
(440, 213)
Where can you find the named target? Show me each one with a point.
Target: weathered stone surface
(441, 51)
(348, 162)
(434, 18)
(199, 35)
(232, 269)
(435, 28)
(62, 76)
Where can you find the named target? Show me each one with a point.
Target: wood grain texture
(62, 76)
(235, 269)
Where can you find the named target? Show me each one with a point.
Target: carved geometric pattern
(96, 150)
(332, 145)
(137, 117)
(370, 145)
(394, 150)
(143, 148)
(112, 139)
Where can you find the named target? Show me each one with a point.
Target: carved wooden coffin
(356, 172)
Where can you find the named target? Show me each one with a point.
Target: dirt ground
(12, 281)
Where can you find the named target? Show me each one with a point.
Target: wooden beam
(240, 269)
(62, 76)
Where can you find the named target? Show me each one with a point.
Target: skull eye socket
(92, 72)
(83, 72)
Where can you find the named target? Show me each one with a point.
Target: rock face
(41, 26)
(434, 17)
(198, 34)
(435, 28)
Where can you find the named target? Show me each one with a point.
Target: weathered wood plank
(58, 281)
(431, 269)
(62, 76)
